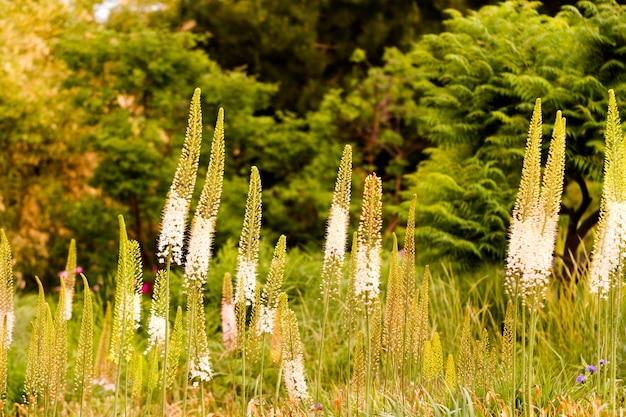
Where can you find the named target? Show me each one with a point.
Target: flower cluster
(366, 284)
(535, 219)
(295, 381)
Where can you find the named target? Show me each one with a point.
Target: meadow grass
(350, 332)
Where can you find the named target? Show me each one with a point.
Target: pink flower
(79, 270)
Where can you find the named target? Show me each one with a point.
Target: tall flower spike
(176, 210)
(392, 331)
(157, 321)
(609, 253)
(200, 369)
(535, 216)
(127, 310)
(248, 255)
(292, 358)
(269, 295)
(69, 279)
(84, 369)
(337, 225)
(7, 315)
(203, 224)
(366, 286)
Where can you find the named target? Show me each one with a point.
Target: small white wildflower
(366, 284)
(610, 251)
(201, 369)
(247, 271)
(199, 251)
(173, 227)
(530, 256)
(295, 381)
(156, 330)
(336, 232)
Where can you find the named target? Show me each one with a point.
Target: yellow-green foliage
(84, 367)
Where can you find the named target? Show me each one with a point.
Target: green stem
(280, 374)
(167, 329)
(190, 330)
(320, 357)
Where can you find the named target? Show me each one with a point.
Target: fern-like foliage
(473, 89)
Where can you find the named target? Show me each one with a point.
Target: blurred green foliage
(92, 115)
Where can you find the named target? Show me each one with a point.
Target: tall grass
(385, 337)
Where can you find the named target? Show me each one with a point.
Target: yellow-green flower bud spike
(393, 329)
(69, 279)
(137, 376)
(248, 253)
(408, 263)
(367, 280)
(176, 348)
(437, 355)
(508, 346)
(7, 315)
(337, 226)
(450, 377)
(528, 193)
(552, 189)
(422, 325)
(205, 218)
(84, 368)
(269, 295)
(176, 209)
(428, 366)
(292, 361)
(465, 366)
(36, 378)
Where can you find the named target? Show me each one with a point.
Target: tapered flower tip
(85, 282)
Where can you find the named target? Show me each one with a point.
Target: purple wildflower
(592, 369)
(581, 379)
(603, 362)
